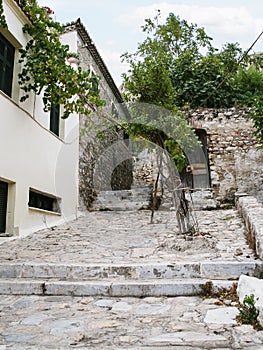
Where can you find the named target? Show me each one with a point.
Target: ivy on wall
(45, 68)
(3, 23)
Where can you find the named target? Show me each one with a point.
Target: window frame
(42, 201)
(54, 119)
(7, 60)
(4, 201)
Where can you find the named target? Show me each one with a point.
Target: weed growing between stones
(229, 294)
(222, 294)
(248, 313)
(208, 289)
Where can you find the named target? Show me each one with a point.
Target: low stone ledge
(251, 285)
(230, 269)
(252, 213)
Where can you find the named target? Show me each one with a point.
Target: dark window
(95, 83)
(3, 205)
(7, 54)
(54, 119)
(114, 110)
(126, 138)
(43, 201)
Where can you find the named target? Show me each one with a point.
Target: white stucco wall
(30, 155)
(70, 39)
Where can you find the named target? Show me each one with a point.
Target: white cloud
(110, 42)
(224, 24)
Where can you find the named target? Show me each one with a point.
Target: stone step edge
(133, 190)
(115, 289)
(116, 208)
(141, 271)
(136, 197)
(120, 206)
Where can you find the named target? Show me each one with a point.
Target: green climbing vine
(45, 68)
(3, 23)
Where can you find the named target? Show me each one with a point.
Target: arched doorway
(197, 173)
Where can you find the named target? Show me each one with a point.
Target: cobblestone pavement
(63, 322)
(114, 237)
(95, 323)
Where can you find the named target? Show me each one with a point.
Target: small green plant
(248, 313)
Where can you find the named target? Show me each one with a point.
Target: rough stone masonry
(236, 165)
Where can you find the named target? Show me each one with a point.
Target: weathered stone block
(252, 285)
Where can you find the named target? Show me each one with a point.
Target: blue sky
(115, 25)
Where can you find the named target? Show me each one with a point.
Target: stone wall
(145, 167)
(249, 173)
(235, 165)
(252, 213)
(104, 160)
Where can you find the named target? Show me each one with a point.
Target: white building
(38, 151)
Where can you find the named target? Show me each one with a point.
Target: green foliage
(149, 78)
(200, 80)
(45, 68)
(176, 65)
(163, 127)
(257, 117)
(3, 23)
(249, 92)
(248, 84)
(149, 82)
(248, 313)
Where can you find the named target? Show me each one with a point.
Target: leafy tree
(177, 65)
(149, 82)
(149, 78)
(206, 80)
(249, 92)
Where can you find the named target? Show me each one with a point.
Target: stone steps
(137, 198)
(202, 199)
(107, 288)
(214, 270)
(138, 280)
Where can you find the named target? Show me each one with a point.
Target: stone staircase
(123, 280)
(137, 198)
(140, 197)
(202, 199)
(123, 255)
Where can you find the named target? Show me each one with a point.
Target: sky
(115, 25)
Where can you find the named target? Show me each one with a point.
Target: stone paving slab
(141, 271)
(108, 288)
(35, 322)
(104, 322)
(128, 237)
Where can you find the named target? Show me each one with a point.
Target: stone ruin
(234, 162)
